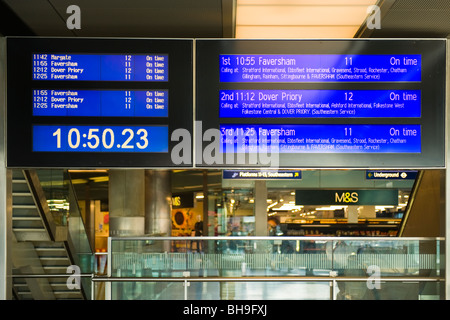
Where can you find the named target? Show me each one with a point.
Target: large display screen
(319, 67)
(322, 103)
(358, 103)
(100, 67)
(321, 138)
(101, 103)
(66, 138)
(79, 102)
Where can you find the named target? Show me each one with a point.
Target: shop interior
(230, 204)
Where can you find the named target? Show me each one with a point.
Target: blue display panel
(98, 102)
(320, 138)
(320, 103)
(320, 68)
(100, 67)
(356, 103)
(104, 103)
(68, 138)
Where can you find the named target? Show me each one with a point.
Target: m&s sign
(347, 197)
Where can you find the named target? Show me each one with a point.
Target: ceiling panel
(301, 15)
(131, 18)
(216, 18)
(141, 18)
(412, 19)
(40, 17)
(307, 2)
(300, 18)
(295, 32)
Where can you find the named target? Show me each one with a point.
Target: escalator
(43, 246)
(424, 214)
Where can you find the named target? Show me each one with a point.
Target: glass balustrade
(275, 268)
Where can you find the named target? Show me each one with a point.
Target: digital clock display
(54, 138)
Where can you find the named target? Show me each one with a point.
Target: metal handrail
(331, 279)
(320, 238)
(226, 279)
(56, 275)
(263, 279)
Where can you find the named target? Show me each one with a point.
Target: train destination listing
(320, 138)
(319, 103)
(101, 67)
(96, 103)
(319, 68)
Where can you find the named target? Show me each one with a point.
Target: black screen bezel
(432, 87)
(19, 99)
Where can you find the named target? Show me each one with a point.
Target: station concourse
(117, 182)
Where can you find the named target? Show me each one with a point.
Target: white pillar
(260, 208)
(352, 214)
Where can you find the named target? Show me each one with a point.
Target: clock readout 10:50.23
(100, 138)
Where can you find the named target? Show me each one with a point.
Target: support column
(5, 189)
(212, 213)
(444, 229)
(447, 182)
(260, 208)
(158, 203)
(89, 218)
(352, 214)
(126, 202)
(205, 203)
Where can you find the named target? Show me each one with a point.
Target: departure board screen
(322, 138)
(319, 68)
(101, 103)
(320, 103)
(323, 103)
(83, 102)
(100, 67)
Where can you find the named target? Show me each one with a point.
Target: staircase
(41, 246)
